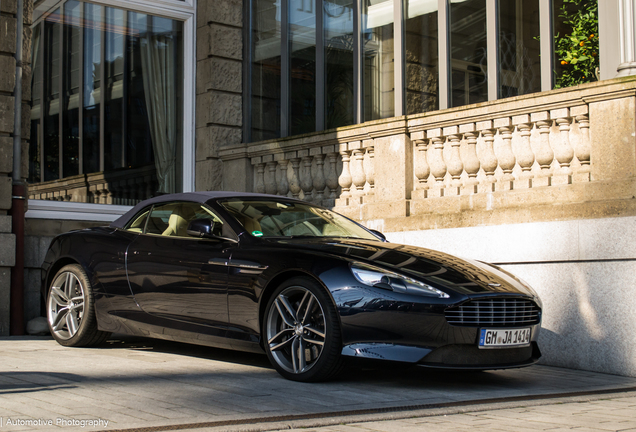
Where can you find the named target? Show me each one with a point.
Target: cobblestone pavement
(615, 412)
(135, 383)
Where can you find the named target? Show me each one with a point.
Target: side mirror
(379, 234)
(201, 228)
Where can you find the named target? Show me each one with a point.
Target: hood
(438, 269)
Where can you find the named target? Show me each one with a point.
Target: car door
(180, 279)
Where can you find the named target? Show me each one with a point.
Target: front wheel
(70, 309)
(301, 332)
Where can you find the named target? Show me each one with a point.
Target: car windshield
(273, 218)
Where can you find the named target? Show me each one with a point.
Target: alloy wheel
(65, 305)
(296, 329)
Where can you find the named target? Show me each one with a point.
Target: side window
(172, 219)
(138, 223)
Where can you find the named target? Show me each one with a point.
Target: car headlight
(377, 277)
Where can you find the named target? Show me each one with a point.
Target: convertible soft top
(199, 197)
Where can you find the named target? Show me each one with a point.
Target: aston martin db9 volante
(301, 283)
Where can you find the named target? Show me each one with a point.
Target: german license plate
(504, 338)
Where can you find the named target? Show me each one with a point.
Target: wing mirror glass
(204, 228)
(201, 228)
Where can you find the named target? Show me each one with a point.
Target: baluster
(260, 177)
(369, 165)
(421, 170)
(332, 175)
(506, 157)
(270, 177)
(345, 179)
(525, 156)
(294, 184)
(306, 183)
(544, 154)
(455, 165)
(488, 158)
(583, 149)
(564, 152)
(319, 178)
(471, 162)
(436, 161)
(283, 183)
(105, 194)
(358, 176)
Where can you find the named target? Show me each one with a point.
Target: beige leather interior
(178, 221)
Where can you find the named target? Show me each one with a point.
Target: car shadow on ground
(355, 370)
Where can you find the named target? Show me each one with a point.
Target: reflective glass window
(519, 48)
(378, 56)
(339, 79)
(266, 69)
(302, 63)
(422, 60)
(468, 53)
(107, 105)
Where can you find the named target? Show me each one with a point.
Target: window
(320, 64)
(172, 219)
(108, 105)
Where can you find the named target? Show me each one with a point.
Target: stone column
(332, 175)
(564, 152)
(345, 179)
(544, 154)
(283, 183)
(454, 164)
(219, 97)
(488, 158)
(421, 168)
(471, 161)
(369, 165)
(506, 157)
(306, 183)
(524, 153)
(294, 182)
(582, 148)
(436, 161)
(259, 186)
(319, 177)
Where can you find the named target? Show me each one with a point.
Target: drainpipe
(19, 192)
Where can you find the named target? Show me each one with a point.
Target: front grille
(494, 312)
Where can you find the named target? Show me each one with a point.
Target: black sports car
(305, 285)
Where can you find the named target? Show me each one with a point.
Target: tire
(70, 310)
(301, 332)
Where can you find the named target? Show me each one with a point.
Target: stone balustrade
(523, 151)
(308, 174)
(545, 156)
(124, 187)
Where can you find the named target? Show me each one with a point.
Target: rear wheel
(70, 309)
(301, 332)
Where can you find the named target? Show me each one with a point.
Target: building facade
(439, 122)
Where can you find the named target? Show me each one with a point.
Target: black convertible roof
(199, 197)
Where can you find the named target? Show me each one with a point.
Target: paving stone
(137, 382)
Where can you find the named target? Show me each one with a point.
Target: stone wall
(219, 86)
(8, 11)
(8, 28)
